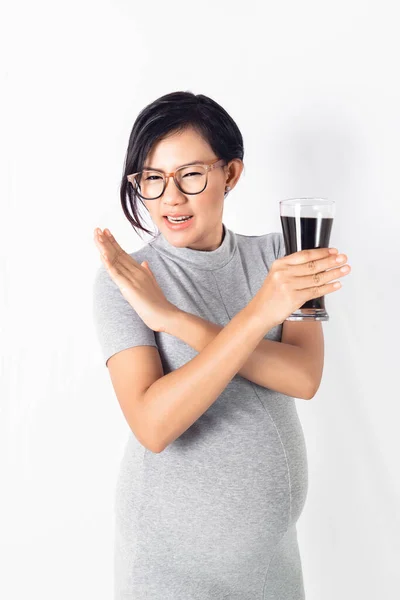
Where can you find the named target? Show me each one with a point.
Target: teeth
(178, 219)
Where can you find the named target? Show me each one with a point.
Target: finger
(307, 255)
(118, 269)
(148, 269)
(119, 255)
(108, 256)
(111, 252)
(318, 279)
(320, 265)
(121, 265)
(98, 240)
(111, 241)
(116, 258)
(321, 290)
(116, 275)
(101, 244)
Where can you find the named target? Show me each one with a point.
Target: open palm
(136, 282)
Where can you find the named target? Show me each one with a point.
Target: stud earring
(228, 188)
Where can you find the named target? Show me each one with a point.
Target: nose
(172, 192)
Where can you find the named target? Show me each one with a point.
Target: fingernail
(332, 250)
(108, 232)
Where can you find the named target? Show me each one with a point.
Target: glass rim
(306, 201)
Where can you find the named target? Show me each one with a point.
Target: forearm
(281, 367)
(176, 400)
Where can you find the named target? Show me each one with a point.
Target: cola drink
(307, 223)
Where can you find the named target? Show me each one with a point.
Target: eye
(192, 173)
(151, 176)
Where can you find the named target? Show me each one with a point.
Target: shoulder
(117, 324)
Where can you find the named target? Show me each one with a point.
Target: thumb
(145, 264)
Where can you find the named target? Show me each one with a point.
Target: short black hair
(168, 114)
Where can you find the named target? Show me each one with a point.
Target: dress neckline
(203, 259)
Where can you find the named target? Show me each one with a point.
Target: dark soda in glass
(307, 223)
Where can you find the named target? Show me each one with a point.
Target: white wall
(314, 88)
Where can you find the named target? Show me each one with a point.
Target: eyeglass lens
(191, 179)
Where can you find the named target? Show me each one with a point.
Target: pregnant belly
(218, 497)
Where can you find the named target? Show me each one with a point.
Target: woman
(205, 368)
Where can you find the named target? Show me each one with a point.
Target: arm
(283, 367)
(309, 336)
(175, 401)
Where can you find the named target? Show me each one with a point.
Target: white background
(314, 88)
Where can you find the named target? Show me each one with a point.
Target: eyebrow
(194, 162)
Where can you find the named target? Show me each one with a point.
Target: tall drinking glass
(307, 223)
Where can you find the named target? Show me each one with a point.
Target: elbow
(312, 390)
(156, 447)
(159, 444)
(153, 445)
(154, 450)
(148, 439)
(160, 438)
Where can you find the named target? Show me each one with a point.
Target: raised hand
(136, 282)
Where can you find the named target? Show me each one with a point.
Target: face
(204, 230)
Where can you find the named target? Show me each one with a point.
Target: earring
(228, 188)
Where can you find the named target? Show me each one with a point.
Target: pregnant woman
(206, 370)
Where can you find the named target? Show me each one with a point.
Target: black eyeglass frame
(214, 164)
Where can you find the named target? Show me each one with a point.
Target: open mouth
(181, 224)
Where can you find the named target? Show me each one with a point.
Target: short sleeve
(117, 324)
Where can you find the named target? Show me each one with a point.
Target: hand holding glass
(307, 224)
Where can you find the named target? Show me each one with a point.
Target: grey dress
(214, 515)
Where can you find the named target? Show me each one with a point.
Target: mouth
(178, 224)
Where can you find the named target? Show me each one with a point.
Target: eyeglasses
(189, 179)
